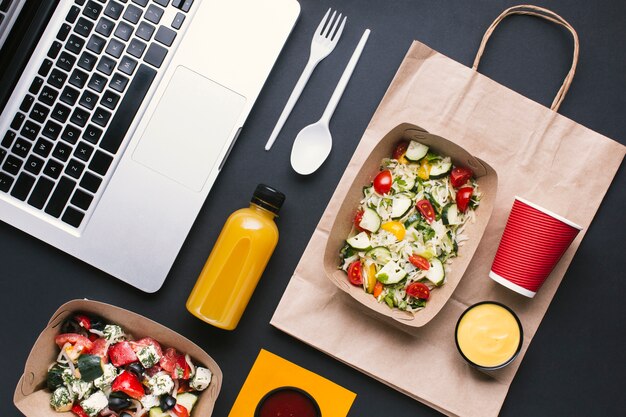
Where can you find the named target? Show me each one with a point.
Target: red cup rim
(549, 213)
(318, 411)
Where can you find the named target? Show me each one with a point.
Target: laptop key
(51, 130)
(92, 9)
(54, 50)
(22, 186)
(53, 169)
(39, 113)
(155, 55)
(153, 14)
(3, 153)
(70, 134)
(132, 13)
(57, 78)
(118, 82)
(27, 103)
(8, 139)
(142, 3)
(48, 95)
(61, 112)
(90, 182)
(69, 95)
(92, 134)
(110, 99)
(17, 121)
(100, 163)
(45, 67)
(127, 65)
(165, 35)
(21, 147)
(73, 217)
(96, 44)
(113, 9)
(83, 27)
(101, 116)
(83, 151)
(63, 32)
(5, 5)
(74, 44)
(136, 48)
(41, 192)
(74, 168)
(104, 26)
(186, 5)
(88, 99)
(145, 31)
(97, 82)
(60, 196)
(5, 182)
(177, 23)
(123, 31)
(62, 151)
(115, 48)
(87, 61)
(106, 65)
(78, 78)
(12, 164)
(34, 164)
(43, 147)
(137, 90)
(163, 3)
(73, 14)
(79, 117)
(81, 199)
(36, 85)
(30, 130)
(66, 61)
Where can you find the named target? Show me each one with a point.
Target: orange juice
(237, 261)
(489, 335)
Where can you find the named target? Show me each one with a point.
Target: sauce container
(287, 402)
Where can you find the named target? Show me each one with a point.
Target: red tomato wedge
(83, 321)
(146, 341)
(175, 364)
(357, 220)
(100, 349)
(383, 182)
(128, 383)
(463, 197)
(355, 273)
(76, 340)
(419, 262)
(460, 176)
(180, 411)
(400, 149)
(378, 289)
(78, 410)
(122, 354)
(418, 290)
(426, 209)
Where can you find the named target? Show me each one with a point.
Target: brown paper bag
(515, 136)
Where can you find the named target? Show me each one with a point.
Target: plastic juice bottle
(237, 261)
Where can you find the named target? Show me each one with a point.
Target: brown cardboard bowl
(33, 399)
(488, 183)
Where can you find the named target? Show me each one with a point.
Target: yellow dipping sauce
(488, 335)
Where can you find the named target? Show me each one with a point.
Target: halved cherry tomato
(400, 151)
(463, 197)
(83, 321)
(459, 176)
(383, 182)
(122, 354)
(357, 220)
(78, 410)
(419, 262)
(355, 273)
(418, 290)
(395, 228)
(128, 383)
(378, 289)
(77, 341)
(180, 411)
(426, 209)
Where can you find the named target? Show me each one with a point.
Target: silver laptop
(122, 118)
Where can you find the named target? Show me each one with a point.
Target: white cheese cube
(95, 403)
(77, 388)
(201, 379)
(149, 401)
(109, 373)
(161, 383)
(113, 333)
(61, 400)
(148, 356)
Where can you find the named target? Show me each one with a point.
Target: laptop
(117, 116)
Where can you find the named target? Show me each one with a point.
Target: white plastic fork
(324, 41)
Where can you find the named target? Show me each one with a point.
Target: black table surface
(576, 364)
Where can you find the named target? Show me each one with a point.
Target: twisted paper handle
(546, 14)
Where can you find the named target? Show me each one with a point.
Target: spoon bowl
(311, 148)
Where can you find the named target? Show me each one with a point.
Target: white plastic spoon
(313, 144)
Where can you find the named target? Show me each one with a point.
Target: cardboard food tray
(487, 180)
(31, 395)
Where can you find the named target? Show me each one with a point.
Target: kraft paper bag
(515, 136)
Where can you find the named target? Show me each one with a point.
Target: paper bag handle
(526, 9)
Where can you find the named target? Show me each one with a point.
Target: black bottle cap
(268, 197)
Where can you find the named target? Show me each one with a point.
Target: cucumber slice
(436, 273)
(90, 367)
(391, 273)
(440, 169)
(407, 184)
(400, 205)
(416, 151)
(360, 241)
(157, 412)
(187, 400)
(370, 221)
(379, 254)
(368, 191)
(451, 215)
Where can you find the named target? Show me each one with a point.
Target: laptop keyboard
(71, 123)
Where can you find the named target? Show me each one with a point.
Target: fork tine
(318, 31)
(330, 33)
(337, 35)
(326, 33)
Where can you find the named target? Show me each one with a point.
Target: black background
(576, 364)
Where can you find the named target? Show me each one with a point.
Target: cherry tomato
(78, 410)
(76, 340)
(357, 221)
(400, 151)
(459, 176)
(128, 383)
(378, 289)
(355, 273)
(418, 290)
(463, 197)
(426, 209)
(419, 262)
(395, 228)
(383, 182)
(180, 411)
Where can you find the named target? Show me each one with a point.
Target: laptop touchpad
(189, 129)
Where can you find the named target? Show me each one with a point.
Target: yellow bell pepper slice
(395, 228)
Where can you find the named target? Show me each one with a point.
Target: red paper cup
(534, 240)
